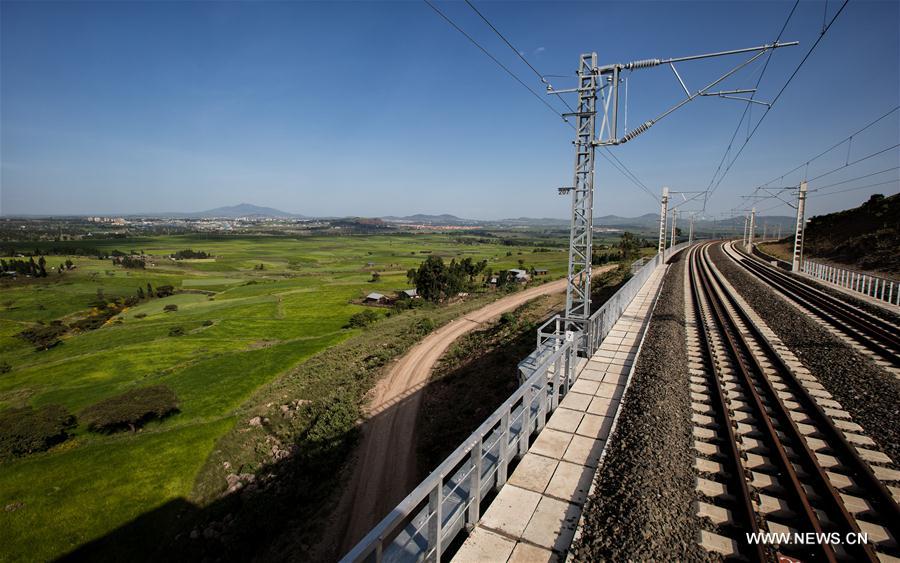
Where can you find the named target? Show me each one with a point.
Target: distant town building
(374, 298)
(408, 294)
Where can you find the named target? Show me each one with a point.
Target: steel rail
(878, 495)
(871, 331)
(886, 330)
(746, 511)
(746, 364)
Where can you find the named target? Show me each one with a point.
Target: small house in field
(374, 298)
(408, 294)
(540, 271)
(521, 276)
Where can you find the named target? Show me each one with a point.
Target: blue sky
(376, 108)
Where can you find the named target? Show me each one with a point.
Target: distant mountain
(424, 219)
(647, 220)
(244, 210)
(234, 211)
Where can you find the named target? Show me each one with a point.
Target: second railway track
(775, 452)
(870, 334)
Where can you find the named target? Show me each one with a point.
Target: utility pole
(590, 77)
(578, 290)
(765, 228)
(674, 220)
(752, 228)
(746, 224)
(691, 231)
(797, 262)
(663, 215)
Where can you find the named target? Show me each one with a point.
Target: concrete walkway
(535, 515)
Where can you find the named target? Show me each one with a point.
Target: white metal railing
(430, 517)
(449, 500)
(875, 287)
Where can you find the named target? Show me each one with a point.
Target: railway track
(872, 335)
(775, 452)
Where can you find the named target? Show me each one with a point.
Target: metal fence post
(503, 451)
(434, 526)
(474, 509)
(524, 434)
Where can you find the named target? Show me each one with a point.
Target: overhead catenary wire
(493, 58)
(832, 147)
(857, 178)
(620, 166)
(778, 96)
(857, 161)
(752, 95)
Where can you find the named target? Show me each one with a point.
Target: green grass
(264, 324)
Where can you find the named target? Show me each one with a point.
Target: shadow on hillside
(277, 518)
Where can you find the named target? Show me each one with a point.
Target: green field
(264, 322)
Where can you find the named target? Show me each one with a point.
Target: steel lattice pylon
(578, 291)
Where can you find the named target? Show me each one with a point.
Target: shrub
(26, 430)
(165, 291)
(507, 318)
(170, 308)
(44, 336)
(131, 409)
(89, 323)
(425, 325)
(140, 315)
(5, 368)
(362, 319)
(207, 323)
(176, 331)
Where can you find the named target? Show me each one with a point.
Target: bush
(176, 331)
(140, 315)
(5, 368)
(362, 319)
(44, 336)
(165, 291)
(425, 325)
(207, 323)
(131, 409)
(26, 430)
(170, 308)
(507, 318)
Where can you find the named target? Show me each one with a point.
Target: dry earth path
(385, 470)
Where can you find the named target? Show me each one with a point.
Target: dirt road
(385, 470)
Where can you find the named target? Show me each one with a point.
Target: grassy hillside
(243, 328)
(866, 237)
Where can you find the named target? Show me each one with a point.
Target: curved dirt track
(385, 470)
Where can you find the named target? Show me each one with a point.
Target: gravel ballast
(867, 392)
(643, 505)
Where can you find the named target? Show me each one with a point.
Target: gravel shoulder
(644, 498)
(868, 393)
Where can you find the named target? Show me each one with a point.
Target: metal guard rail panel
(449, 500)
(875, 287)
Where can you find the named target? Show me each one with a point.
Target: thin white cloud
(539, 50)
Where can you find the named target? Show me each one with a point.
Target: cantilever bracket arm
(615, 69)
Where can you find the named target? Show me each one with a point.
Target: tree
(140, 292)
(629, 246)
(375, 277)
(149, 291)
(42, 267)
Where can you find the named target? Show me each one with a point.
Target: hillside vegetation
(866, 237)
(211, 336)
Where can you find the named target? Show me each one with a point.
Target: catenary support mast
(663, 215)
(578, 291)
(798, 233)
